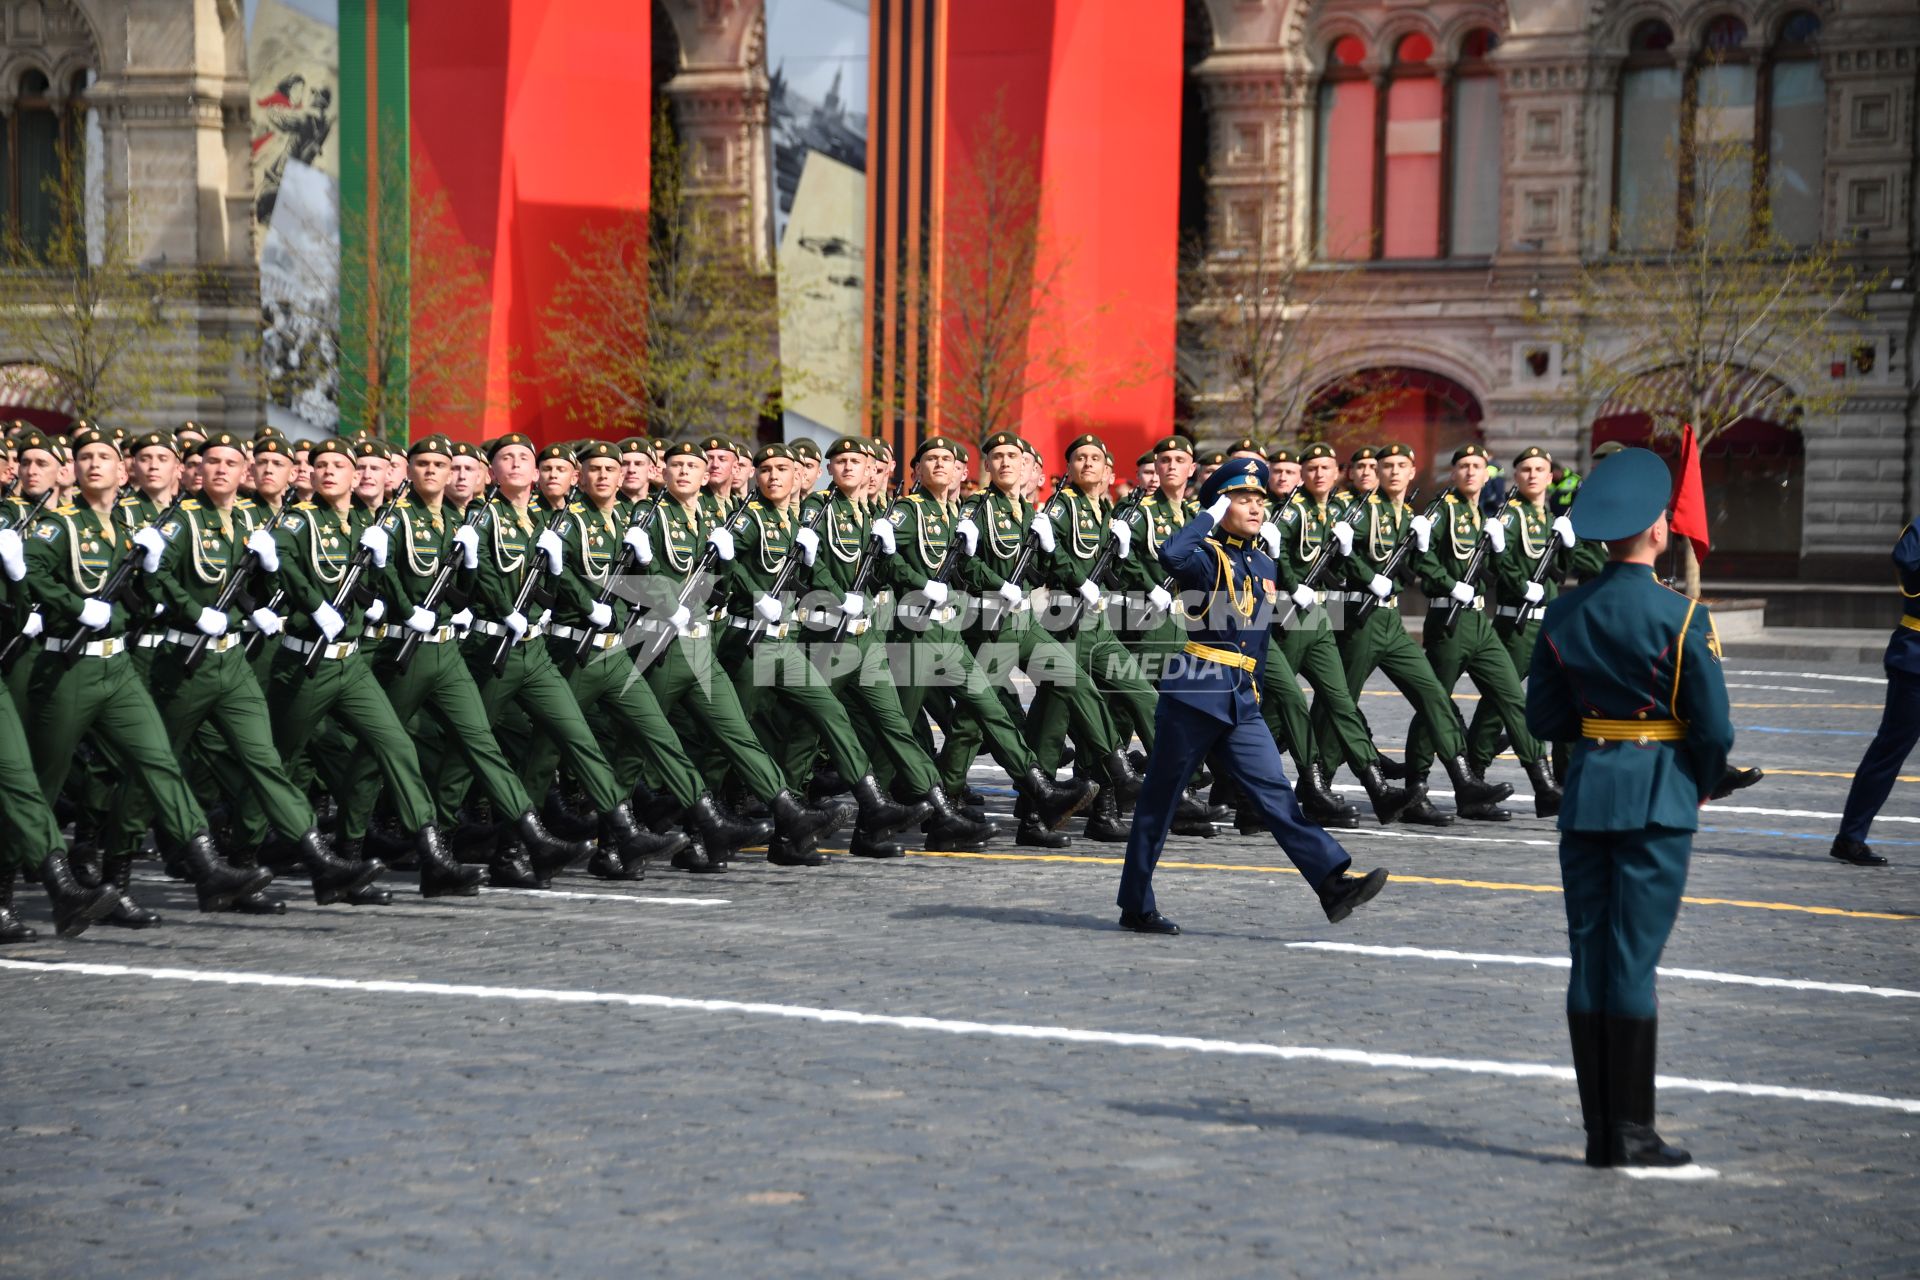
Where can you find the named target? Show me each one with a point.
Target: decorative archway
(1396, 405)
(1754, 474)
(36, 395)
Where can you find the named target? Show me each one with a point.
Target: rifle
(1103, 561)
(1475, 564)
(862, 577)
(122, 575)
(658, 642)
(1544, 565)
(10, 650)
(350, 579)
(528, 584)
(442, 578)
(788, 568)
(1023, 557)
(241, 572)
(1322, 565)
(1396, 559)
(585, 648)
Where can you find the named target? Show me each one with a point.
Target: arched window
(1344, 206)
(1473, 151)
(1411, 153)
(1722, 91)
(31, 137)
(1796, 154)
(1647, 140)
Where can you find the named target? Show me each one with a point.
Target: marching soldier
(1631, 670)
(1899, 724)
(1153, 634)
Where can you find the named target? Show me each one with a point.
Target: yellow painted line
(1823, 773)
(1494, 886)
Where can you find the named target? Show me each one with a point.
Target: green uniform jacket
(763, 540)
(316, 546)
(595, 548)
(1304, 537)
(843, 540)
(69, 555)
(1079, 531)
(200, 558)
(507, 554)
(923, 529)
(1456, 529)
(1150, 523)
(421, 541)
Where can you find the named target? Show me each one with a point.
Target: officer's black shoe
(1421, 813)
(1147, 922)
(218, 883)
(880, 815)
(1589, 1036)
(957, 828)
(694, 858)
(1123, 780)
(11, 929)
(635, 846)
(335, 879)
(1855, 853)
(511, 868)
(1341, 892)
(1470, 790)
(867, 845)
(1104, 822)
(564, 820)
(74, 905)
(721, 832)
(1732, 780)
(783, 853)
(1388, 802)
(1546, 793)
(258, 903)
(1392, 770)
(798, 827)
(608, 865)
(441, 876)
(127, 914)
(1054, 802)
(548, 852)
(1630, 1050)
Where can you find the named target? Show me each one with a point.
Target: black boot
(441, 876)
(696, 859)
(334, 878)
(1193, 817)
(620, 834)
(952, 827)
(1589, 1034)
(86, 862)
(564, 820)
(1123, 780)
(1341, 892)
(1388, 802)
(11, 929)
(1248, 822)
(370, 894)
(1420, 811)
(259, 902)
(218, 883)
(799, 827)
(1471, 792)
(1546, 795)
(548, 853)
(605, 864)
(1392, 770)
(722, 834)
(1104, 822)
(1319, 804)
(865, 844)
(1031, 833)
(879, 815)
(117, 868)
(1052, 802)
(74, 906)
(782, 852)
(509, 867)
(1631, 1044)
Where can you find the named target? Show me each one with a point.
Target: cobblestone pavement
(159, 1126)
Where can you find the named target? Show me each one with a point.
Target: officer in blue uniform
(1210, 703)
(1629, 671)
(1899, 723)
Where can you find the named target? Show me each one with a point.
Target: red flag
(1689, 518)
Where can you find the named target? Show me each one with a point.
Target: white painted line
(951, 1026)
(1714, 806)
(1777, 688)
(1562, 962)
(1679, 1173)
(1815, 675)
(1392, 833)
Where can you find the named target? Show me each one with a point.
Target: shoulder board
(754, 505)
(403, 504)
(1452, 500)
(916, 498)
(131, 501)
(304, 506)
(189, 504)
(67, 509)
(243, 503)
(1373, 499)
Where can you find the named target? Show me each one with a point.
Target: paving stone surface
(156, 1126)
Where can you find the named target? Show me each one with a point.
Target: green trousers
(1064, 698)
(28, 829)
(937, 659)
(1474, 650)
(1382, 644)
(856, 671)
(103, 697)
(1484, 729)
(1333, 731)
(687, 678)
(776, 684)
(1120, 688)
(345, 689)
(621, 710)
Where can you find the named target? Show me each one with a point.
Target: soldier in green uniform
(1632, 671)
(636, 476)
(1381, 523)
(1150, 629)
(1470, 646)
(722, 459)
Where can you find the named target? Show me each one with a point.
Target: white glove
(150, 541)
(601, 615)
(421, 620)
(375, 542)
(1343, 534)
(853, 605)
(722, 542)
(641, 546)
(376, 610)
(935, 592)
(883, 534)
(1160, 600)
(1122, 535)
(556, 551)
(1564, 528)
(95, 614)
(328, 619)
(260, 542)
(13, 560)
(1463, 592)
(969, 532)
(1302, 597)
(1090, 591)
(265, 621)
(769, 609)
(1535, 593)
(212, 622)
(1011, 593)
(1042, 527)
(466, 540)
(462, 621)
(33, 626)
(1422, 532)
(1381, 586)
(1497, 537)
(809, 543)
(1270, 536)
(516, 622)
(681, 620)
(1221, 505)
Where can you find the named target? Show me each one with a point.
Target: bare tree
(660, 321)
